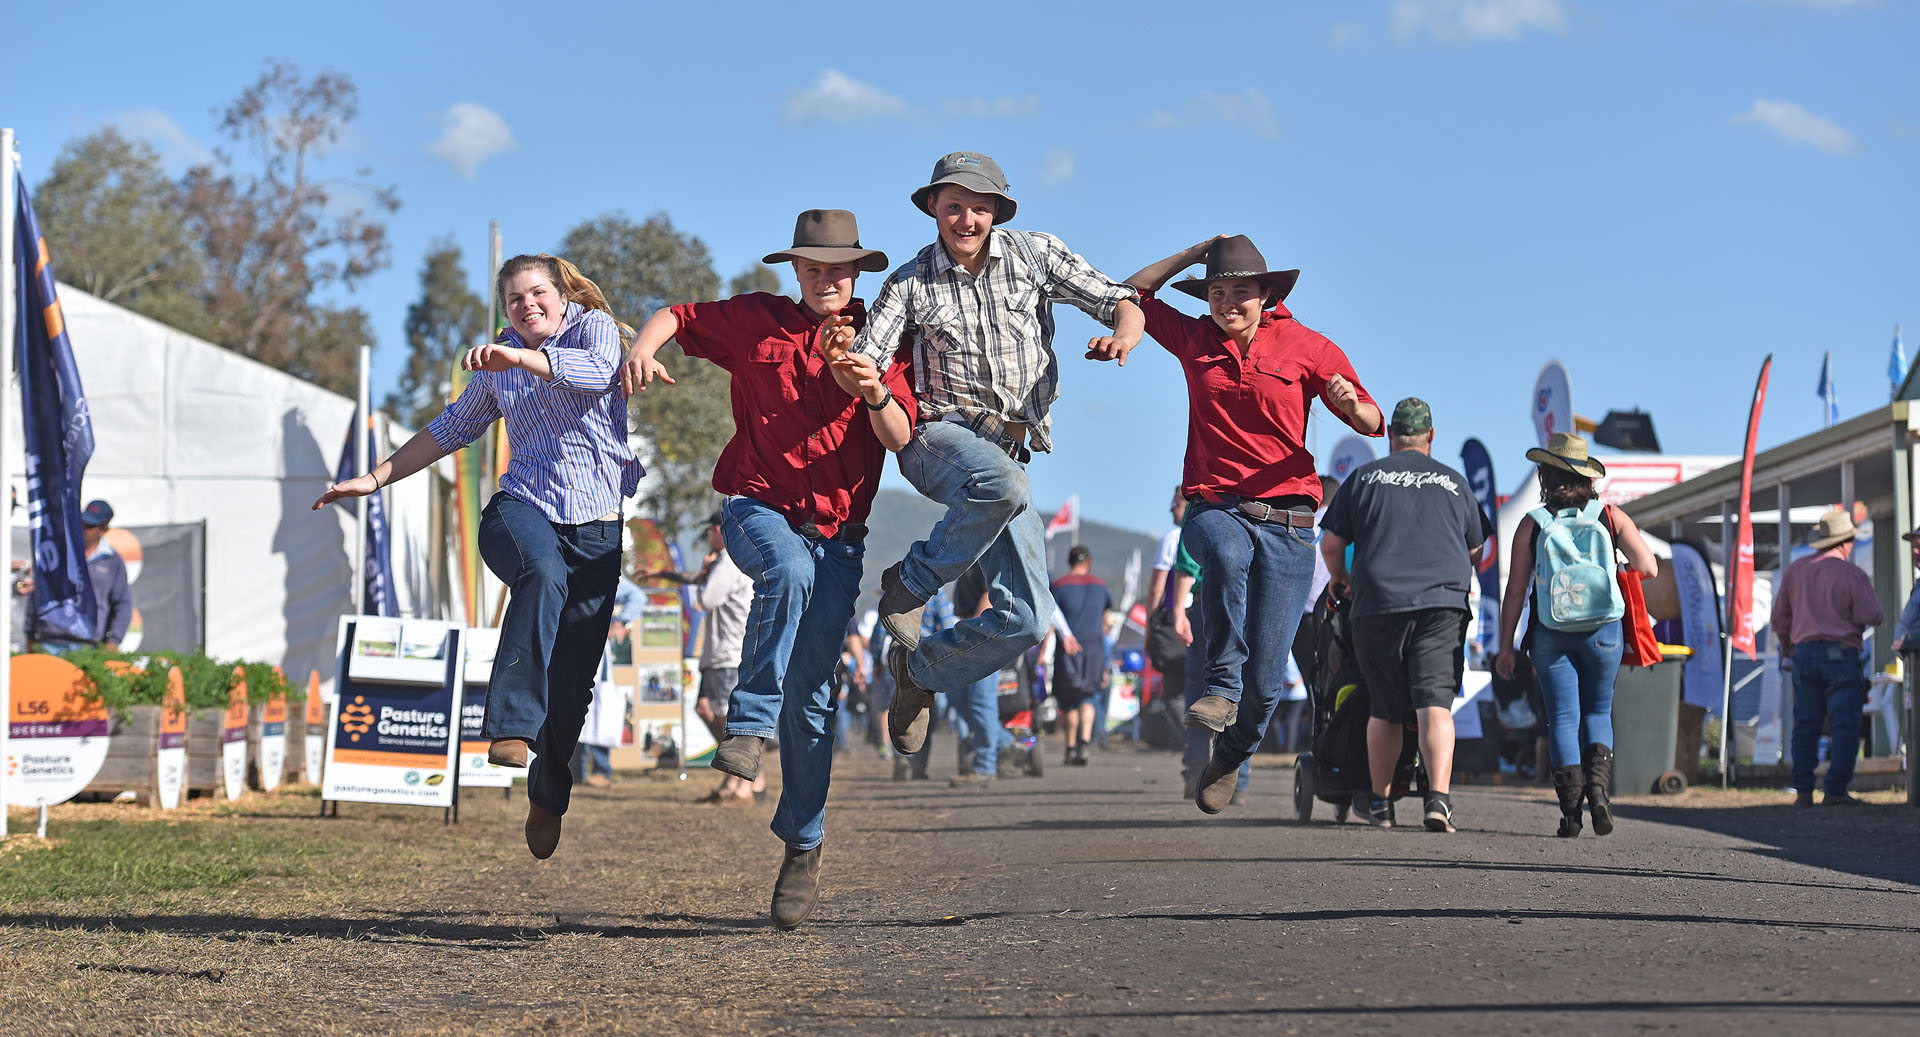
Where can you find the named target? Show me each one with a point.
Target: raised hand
(1342, 396)
(639, 371)
(490, 357)
(836, 336)
(1110, 347)
(359, 486)
(858, 375)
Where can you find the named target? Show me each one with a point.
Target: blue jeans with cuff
(1827, 686)
(1576, 673)
(1199, 741)
(562, 578)
(990, 518)
(803, 595)
(1253, 589)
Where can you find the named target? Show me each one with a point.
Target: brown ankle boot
(1570, 784)
(1598, 765)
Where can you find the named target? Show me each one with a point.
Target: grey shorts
(716, 686)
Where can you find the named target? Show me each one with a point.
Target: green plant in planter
(264, 682)
(209, 682)
(112, 686)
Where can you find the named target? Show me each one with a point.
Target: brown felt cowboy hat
(975, 172)
(1568, 452)
(1235, 258)
(829, 236)
(1834, 527)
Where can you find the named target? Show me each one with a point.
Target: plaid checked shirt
(978, 349)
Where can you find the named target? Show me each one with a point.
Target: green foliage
(446, 319)
(209, 682)
(757, 278)
(110, 686)
(644, 267)
(264, 682)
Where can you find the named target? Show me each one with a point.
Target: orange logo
(356, 718)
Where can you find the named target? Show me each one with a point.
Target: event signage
(1552, 408)
(392, 740)
(1741, 582)
(273, 742)
(171, 764)
(1348, 454)
(475, 771)
(1699, 625)
(57, 730)
(316, 747)
(233, 742)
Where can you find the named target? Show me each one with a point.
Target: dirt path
(1092, 900)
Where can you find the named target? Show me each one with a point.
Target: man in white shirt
(726, 594)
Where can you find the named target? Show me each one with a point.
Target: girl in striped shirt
(552, 533)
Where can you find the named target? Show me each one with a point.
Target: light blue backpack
(1574, 585)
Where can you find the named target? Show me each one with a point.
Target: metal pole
(363, 463)
(7, 303)
(1727, 549)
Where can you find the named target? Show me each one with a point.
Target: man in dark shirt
(1080, 654)
(1417, 531)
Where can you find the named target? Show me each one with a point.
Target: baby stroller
(1334, 766)
(1022, 715)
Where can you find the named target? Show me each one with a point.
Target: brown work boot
(912, 708)
(900, 609)
(1213, 713)
(970, 781)
(1213, 789)
(543, 831)
(739, 755)
(508, 752)
(797, 888)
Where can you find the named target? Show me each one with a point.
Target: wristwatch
(882, 405)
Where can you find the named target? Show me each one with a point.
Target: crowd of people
(952, 369)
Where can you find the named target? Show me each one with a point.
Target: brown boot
(739, 755)
(543, 831)
(1213, 790)
(911, 710)
(1213, 713)
(508, 752)
(900, 609)
(797, 888)
(1598, 765)
(1570, 784)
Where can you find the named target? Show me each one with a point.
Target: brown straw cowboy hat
(829, 236)
(975, 172)
(1835, 527)
(1234, 258)
(1568, 452)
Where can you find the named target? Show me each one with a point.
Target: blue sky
(1658, 194)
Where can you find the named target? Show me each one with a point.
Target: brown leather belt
(849, 532)
(1296, 511)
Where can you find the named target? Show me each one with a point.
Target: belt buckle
(1266, 512)
(809, 530)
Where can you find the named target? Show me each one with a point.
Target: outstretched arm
(1154, 276)
(640, 368)
(413, 455)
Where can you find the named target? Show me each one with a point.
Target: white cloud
(469, 135)
(840, 98)
(1474, 21)
(1057, 166)
(1249, 109)
(177, 150)
(1346, 35)
(1799, 127)
(991, 108)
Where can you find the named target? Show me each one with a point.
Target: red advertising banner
(1740, 602)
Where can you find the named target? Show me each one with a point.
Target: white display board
(57, 731)
(475, 771)
(394, 738)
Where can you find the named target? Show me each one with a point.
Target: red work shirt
(1247, 414)
(801, 444)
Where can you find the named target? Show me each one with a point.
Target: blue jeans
(1827, 685)
(590, 758)
(978, 707)
(1576, 674)
(562, 579)
(803, 593)
(990, 518)
(1200, 742)
(1253, 588)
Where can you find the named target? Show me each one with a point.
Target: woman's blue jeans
(1254, 582)
(562, 580)
(1576, 673)
(803, 594)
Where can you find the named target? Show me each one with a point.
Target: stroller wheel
(1303, 788)
(1034, 767)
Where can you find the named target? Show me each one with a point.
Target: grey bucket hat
(975, 172)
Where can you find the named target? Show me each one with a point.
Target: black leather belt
(1292, 510)
(849, 532)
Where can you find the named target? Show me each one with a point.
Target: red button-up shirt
(801, 444)
(1247, 413)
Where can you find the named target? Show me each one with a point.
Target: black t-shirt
(1413, 523)
(967, 591)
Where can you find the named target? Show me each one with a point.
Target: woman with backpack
(1564, 565)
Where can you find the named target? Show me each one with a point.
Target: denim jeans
(1576, 674)
(803, 593)
(1200, 742)
(587, 759)
(1253, 589)
(1827, 685)
(562, 580)
(978, 707)
(990, 518)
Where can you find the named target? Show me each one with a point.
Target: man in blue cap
(112, 597)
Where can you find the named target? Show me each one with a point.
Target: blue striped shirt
(568, 436)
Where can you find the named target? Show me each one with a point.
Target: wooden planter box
(294, 761)
(206, 738)
(132, 765)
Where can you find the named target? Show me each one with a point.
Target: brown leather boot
(900, 609)
(1570, 784)
(1213, 713)
(911, 710)
(543, 831)
(739, 755)
(508, 752)
(1598, 764)
(1213, 790)
(797, 888)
